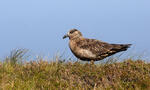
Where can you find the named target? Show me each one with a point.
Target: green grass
(59, 75)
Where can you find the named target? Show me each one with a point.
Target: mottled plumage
(92, 49)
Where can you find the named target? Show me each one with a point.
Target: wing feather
(95, 46)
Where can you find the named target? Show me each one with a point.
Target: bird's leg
(78, 60)
(92, 62)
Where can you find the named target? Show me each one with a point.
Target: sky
(39, 25)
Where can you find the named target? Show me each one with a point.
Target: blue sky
(39, 25)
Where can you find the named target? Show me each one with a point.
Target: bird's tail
(124, 47)
(121, 47)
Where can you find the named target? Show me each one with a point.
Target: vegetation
(61, 75)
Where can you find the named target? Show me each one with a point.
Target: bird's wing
(95, 46)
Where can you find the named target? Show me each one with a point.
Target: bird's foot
(92, 62)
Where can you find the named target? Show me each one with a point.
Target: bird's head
(72, 34)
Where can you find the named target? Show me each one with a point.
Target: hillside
(40, 74)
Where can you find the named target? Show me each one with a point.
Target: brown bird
(91, 49)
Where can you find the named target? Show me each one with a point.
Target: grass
(50, 75)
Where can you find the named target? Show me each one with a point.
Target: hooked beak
(65, 36)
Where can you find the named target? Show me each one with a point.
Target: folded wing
(101, 49)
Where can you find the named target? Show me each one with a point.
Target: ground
(59, 74)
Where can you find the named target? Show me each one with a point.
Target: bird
(87, 49)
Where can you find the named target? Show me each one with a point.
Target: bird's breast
(79, 52)
(72, 46)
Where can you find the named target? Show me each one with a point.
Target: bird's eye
(72, 31)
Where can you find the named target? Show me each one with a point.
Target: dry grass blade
(16, 56)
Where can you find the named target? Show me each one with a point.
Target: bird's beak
(65, 36)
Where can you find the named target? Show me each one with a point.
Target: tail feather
(121, 47)
(118, 48)
(124, 47)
